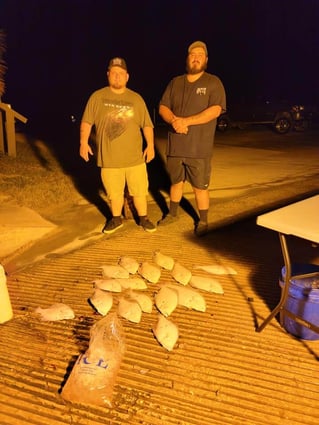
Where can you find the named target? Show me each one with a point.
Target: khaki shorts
(114, 180)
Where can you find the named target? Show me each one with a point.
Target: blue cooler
(303, 300)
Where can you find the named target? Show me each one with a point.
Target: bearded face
(196, 61)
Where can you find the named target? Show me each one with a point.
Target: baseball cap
(118, 62)
(198, 44)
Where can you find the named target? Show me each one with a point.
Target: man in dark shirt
(191, 104)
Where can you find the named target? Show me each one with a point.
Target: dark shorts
(195, 171)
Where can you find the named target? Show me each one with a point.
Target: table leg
(285, 291)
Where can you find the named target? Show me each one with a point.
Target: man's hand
(149, 154)
(85, 151)
(180, 126)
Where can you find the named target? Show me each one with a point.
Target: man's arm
(85, 148)
(166, 114)
(149, 152)
(172, 119)
(203, 117)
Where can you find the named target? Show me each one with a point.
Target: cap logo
(117, 62)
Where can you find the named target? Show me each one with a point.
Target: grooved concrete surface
(220, 372)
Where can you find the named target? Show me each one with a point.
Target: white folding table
(300, 219)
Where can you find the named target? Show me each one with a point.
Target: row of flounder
(118, 279)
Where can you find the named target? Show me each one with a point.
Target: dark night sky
(58, 50)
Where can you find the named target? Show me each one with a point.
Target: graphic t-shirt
(185, 99)
(118, 120)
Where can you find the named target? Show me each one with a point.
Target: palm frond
(3, 66)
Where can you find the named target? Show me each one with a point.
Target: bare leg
(176, 191)
(202, 198)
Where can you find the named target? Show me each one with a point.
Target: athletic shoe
(201, 228)
(148, 226)
(112, 226)
(168, 219)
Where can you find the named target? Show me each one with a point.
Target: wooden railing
(7, 129)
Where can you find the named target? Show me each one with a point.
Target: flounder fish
(208, 284)
(102, 301)
(112, 285)
(114, 271)
(190, 298)
(129, 264)
(130, 310)
(143, 300)
(58, 311)
(163, 260)
(150, 272)
(216, 269)
(181, 274)
(166, 332)
(166, 300)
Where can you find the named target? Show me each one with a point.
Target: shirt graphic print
(117, 116)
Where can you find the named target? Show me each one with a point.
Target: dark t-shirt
(185, 99)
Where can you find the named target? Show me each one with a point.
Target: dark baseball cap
(118, 62)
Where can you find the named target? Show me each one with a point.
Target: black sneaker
(201, 228)
(168, 219)
(148, 226)
(112, 226)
